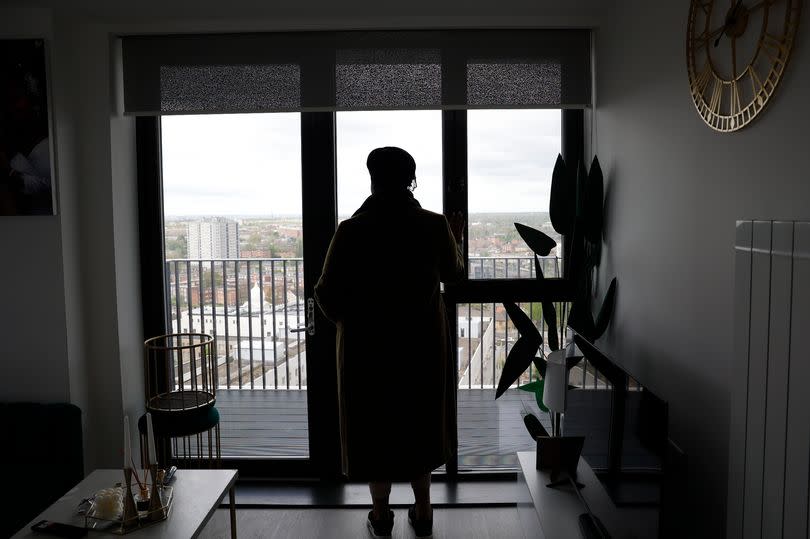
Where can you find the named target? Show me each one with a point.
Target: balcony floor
(270, 423)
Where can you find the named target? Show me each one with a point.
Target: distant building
(256, 317)
(256, 253)
(213, 238)
(470, 328)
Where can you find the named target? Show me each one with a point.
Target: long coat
(396, 373)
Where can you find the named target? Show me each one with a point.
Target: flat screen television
(624, 425)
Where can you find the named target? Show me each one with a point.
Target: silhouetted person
(396, 375)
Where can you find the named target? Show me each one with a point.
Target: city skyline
(489, 234)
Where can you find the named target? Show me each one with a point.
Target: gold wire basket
(145, 518)
(181, 372)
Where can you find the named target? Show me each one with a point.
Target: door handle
(310, 319)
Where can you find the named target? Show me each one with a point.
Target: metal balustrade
(475, 354)
(254, 306)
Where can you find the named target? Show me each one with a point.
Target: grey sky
(250, 164)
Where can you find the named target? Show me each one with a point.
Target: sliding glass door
(510, 157)
(235, 268)
(247, 212)
(250, 203)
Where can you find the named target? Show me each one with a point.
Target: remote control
(169, 475)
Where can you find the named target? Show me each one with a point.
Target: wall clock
(736, 53)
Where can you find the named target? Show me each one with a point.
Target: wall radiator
(769, 448)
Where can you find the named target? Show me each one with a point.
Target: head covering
(391, 168)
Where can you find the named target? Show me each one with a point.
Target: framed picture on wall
(26, 167)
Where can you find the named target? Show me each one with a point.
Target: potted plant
(576, 212)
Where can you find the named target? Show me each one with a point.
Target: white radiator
(769, 449)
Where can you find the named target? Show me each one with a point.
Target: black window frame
(456, 174)
(318, 139)
(456, 196)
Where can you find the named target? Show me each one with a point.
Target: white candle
(150, 439)
(127, 444)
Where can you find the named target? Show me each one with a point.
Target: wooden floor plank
(496, 523)
(273, 423)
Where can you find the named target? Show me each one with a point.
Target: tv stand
(554, 513)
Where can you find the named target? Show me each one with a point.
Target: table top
(558, 509)
(197, 493)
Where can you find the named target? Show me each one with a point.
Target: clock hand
(756, 7)
(720, 30)
(729, 20)
(715, 32)
(710, 35)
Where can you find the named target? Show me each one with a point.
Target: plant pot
(560, 454)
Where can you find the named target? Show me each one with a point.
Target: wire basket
(181, 372)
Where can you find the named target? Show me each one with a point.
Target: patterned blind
(282, 72)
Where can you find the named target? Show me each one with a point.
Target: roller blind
(282, 72)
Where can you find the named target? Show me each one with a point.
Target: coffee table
(197, 494)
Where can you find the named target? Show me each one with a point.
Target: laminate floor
(269, 423)
(466, 522)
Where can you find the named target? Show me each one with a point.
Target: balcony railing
(518, 267)
(254, 306)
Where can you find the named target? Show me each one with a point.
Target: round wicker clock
(736, 53)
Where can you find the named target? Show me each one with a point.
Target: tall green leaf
(518, 360)
(582, 180)
(523, 323)
(538, 270)
(537, 388)
(606, 311)
(593, 209)
(541, 364)
(562, 205)
(581, 319)
(549, 312)
(533, 425)
(537, 241)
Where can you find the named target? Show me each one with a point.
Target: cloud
(250, 164)
(417, 132)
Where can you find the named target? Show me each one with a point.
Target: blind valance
(283, 72)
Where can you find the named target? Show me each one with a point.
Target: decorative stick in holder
(156, 509)
(130, 517)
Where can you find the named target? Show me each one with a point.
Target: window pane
(234, 268)
(490, 431)
(511, 156)
(417, 132)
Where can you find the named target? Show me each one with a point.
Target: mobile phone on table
(58, 529)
